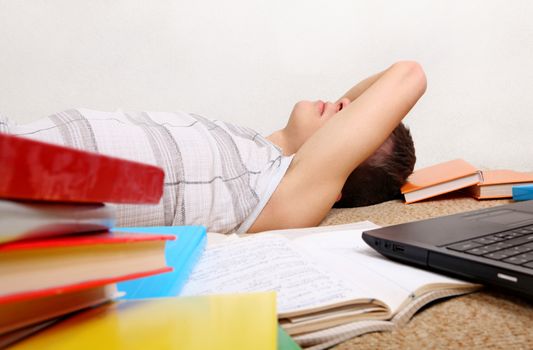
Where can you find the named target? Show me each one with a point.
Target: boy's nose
(342, 104)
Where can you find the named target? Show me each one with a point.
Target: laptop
(490, 246)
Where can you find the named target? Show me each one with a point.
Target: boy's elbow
(414, 73)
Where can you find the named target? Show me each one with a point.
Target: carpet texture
(488, 319)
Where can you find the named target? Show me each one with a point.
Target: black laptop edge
(458, 264)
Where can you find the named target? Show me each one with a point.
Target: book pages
(331, 336)
(346, 256)
(264, 263)
(330, 285)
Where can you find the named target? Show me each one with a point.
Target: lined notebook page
(346, 256)
(267, 262)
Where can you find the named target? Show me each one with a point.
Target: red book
(42, 171)
(39, 268)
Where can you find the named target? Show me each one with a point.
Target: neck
(279, 139)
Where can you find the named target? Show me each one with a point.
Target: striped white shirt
(216, 174)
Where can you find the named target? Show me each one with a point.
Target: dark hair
(379, 178)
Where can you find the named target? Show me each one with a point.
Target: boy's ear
(339, 197)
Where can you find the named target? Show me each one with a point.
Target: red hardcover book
(42, 171)
(38, 268)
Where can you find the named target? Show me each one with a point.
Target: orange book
(21, 314)
(499, 183)
(439, 179)
(42, 267)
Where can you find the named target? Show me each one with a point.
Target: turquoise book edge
(523, 192)
(182, 254)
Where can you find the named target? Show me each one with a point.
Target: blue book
(181, 254)
(523, 193)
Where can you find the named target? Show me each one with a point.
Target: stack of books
(62, 261)
(458, 174)
(57, 254)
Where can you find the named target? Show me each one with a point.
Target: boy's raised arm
(354, 133)
(320, 167)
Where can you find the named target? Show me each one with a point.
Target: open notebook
(330, 285)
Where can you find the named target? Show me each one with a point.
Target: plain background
(249, 61)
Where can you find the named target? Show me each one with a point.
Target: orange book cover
(498, 183)
(505, 176)
(439, 179)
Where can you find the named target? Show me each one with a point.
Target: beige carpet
(487, 319)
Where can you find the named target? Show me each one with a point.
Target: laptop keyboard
(513, 246)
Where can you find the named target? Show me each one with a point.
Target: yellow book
(233, 321)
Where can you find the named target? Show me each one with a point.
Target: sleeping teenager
(351, 152)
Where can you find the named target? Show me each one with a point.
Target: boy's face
(309, 116)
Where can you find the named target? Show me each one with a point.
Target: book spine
(78, 286)
(95, 238)
(41, 171)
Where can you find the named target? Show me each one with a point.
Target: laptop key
(479, 251)
(501, 234)
(505, 253)
(524, 230)
(527, 257)
(520, 240)
(485, 240)
(514, 234)
(495, 238)
(498, 255)
(498, 246)
(516, 260)
(529, 245)
(529, 264)
(463, 246)
(520, 249)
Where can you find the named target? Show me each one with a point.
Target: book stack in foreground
(57, 254)
(61, 261)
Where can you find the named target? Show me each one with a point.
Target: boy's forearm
(361, 87)
(360, 128)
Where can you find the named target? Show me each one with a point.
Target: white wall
(248, 61)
